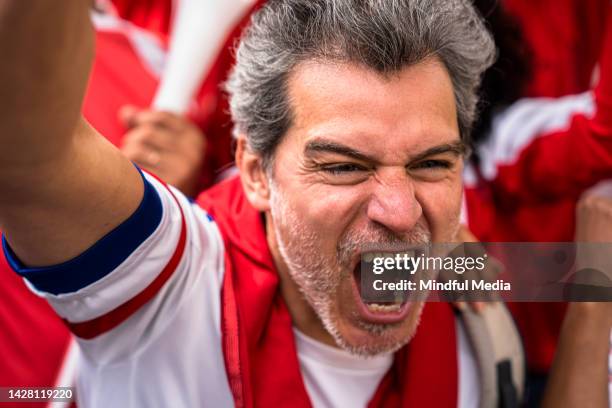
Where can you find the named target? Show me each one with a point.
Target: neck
(304, 318)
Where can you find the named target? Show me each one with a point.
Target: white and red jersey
(126, 70)
(541, 155)
(145, 303)
(127, 64)
(164, 265)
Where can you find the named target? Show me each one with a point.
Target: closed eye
(432, 170)
(343, 168)
(432, 164)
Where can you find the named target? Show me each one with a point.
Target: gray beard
(319, 279)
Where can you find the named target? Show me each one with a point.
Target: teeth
(376, 307)
(368, 257)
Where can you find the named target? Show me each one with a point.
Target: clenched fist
(594, 240)
(594, 215)
(165, 144)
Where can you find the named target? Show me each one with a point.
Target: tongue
(377, 304)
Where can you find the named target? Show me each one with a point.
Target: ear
(253, 176)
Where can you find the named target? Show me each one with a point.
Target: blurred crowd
(541, 142)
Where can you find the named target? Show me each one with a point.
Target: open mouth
(377, 311)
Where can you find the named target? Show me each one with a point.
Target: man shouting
(352, 120)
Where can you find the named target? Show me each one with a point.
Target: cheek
(328, 210)
(441, 203)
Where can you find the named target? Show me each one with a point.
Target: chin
(364, 338)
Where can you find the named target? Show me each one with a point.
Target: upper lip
(391, 247)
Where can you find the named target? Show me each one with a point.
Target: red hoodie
(257, 330)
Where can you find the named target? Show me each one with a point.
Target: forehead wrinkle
(362, 130)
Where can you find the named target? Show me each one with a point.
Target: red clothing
(126, 71)
(115, 84)
(258, 341)
(541, 156)
(565, 37)
(214, 116)
(153, 15)
(120, 76)
(33, 341)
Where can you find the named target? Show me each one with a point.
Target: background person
(582, 367)
(534, 156)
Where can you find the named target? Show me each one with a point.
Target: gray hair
(383, 35)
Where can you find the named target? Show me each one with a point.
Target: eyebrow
(458, 148)
(327, 146)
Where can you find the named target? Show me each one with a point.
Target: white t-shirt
(168, 352)
(326, 370)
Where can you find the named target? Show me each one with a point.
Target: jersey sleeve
(128, 288)
(542, 149)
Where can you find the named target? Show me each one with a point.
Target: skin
(368, 159)
(64, 186)
(166, 144)
(579, 376)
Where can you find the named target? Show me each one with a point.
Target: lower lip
(380, 317)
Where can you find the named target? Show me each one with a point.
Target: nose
(393, 203)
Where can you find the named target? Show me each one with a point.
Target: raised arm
(62, 186)
(579, 376)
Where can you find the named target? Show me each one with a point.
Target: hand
(594, 215)
(465, 235)
(579, 376)
(474, 250)
(165, 144)
(593, 242)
